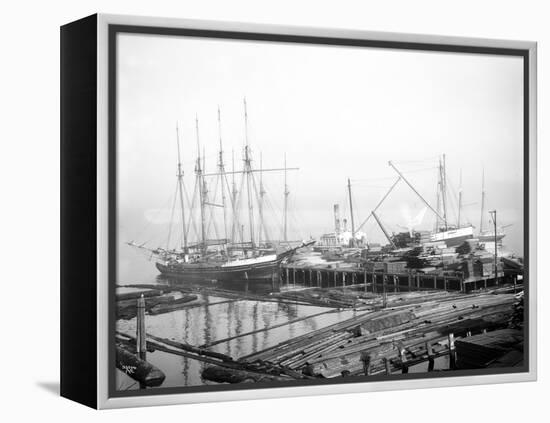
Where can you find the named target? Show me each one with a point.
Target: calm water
(205, 324)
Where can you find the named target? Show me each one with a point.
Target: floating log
(130, 344)
(221, 341)
(161, 287)
(191, 348)
(127, 309)
(172, 306)
(139, 370)
(137, 294)
(225, 375)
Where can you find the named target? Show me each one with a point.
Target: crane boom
(444, 219)
(380, 203)
(383, 229)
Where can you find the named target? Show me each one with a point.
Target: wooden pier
(334, 276)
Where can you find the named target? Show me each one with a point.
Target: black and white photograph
(277, 211)
(299, 212)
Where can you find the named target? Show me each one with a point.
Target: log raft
(394, 339)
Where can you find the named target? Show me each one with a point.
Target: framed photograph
(253, 211)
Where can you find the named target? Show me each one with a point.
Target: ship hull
(453, 237)
(264, 271)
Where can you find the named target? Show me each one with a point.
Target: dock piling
(141, 342)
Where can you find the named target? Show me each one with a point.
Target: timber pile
(412, 329)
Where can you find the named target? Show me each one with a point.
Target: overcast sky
(337, 113)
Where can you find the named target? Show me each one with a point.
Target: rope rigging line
(172, 216)
(192, 212)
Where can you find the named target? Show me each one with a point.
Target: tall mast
(180, 189)
(438, 201)
(222, 174)
(285, 214)
(199, 171)
(261, 205)
(493, 214)
(482, 200)
(235, 225)
(459, 199)
(351, 214)
(443, 171)
(248, 175)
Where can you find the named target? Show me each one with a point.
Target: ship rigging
(233, 254)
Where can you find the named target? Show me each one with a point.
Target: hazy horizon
(337, 113)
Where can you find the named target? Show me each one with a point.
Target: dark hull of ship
(268, 271)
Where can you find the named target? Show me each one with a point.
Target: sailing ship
(231, 258)
(454, 234)
(444, 231)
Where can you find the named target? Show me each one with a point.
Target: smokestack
(345, 225)
(337, 218)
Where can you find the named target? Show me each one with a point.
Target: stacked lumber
(395, 266)
(414, 328)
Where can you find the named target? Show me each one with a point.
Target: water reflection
(211, 322)
(205, 324)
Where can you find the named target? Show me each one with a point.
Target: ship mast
(180, 189)
(248, 175)
(200, 179)
(351, 215)
(261, 204)
(438, 201)
(482, 200)
(459, 200)
(221, 169)
(235, 226)
(442, 170)
(285, 213)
